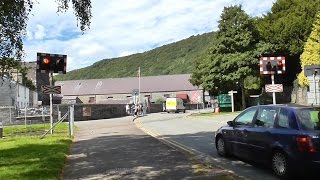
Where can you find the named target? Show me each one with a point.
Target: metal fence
(10, 115)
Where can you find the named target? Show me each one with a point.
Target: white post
(51, 108)
(273, 93)
(139, 74)
(10, 116)
(232, 103)
(25, 116)
(71, 120)
(315, 88)
(59, 113)
(232, 99)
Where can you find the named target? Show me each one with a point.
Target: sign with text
(224, 100)
(274, 88)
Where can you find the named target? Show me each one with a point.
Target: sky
(123, 27)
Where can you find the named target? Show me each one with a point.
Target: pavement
(118, 149)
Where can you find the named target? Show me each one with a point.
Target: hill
(174, 58)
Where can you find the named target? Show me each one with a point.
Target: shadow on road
(126, 156)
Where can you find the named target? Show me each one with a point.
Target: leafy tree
(13, 22)
(311, 53)
(287, 27)
(233, 55)
(7, 65)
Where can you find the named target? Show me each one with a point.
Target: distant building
(16, 95)
(124, 90)
(10, 90)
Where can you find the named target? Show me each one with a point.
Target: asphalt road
(197, 134)
(117, 149)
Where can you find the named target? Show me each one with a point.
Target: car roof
(290, 106)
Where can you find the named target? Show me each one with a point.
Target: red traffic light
(268, 66)
(51, 63)
(279, 65)
(46, 61)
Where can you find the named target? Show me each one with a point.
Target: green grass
(23, 155)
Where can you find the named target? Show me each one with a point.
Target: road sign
(274, 88)
(46, 89)
(224, 100)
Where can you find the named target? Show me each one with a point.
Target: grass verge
(210, 114)
(25, 156)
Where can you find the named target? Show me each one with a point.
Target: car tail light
(305, 144)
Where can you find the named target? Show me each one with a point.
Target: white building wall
(22, 100)
(313, 94)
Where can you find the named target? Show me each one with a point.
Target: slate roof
(166, 83)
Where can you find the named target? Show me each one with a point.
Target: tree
(233, 55)
(13, 22)
(311, 53)
(287, 27)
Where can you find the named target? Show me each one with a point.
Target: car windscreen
(309, 119)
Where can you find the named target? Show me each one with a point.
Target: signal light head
(46, 61)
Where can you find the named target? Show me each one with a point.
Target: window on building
(109, 97)
(166, 95)
(146, 95)
(92, 99)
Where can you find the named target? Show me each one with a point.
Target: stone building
(126, 90)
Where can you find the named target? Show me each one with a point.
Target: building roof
(166, 83)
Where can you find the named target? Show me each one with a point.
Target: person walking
(128, 109)
(163, 106)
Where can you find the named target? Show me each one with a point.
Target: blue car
(285, 137)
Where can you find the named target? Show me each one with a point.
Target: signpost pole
(139, 74)
(273, 93)
(315, 88)
(232, 99)
(71, 120)
(51, 108)
(232, 104)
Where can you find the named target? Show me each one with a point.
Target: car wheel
(280, 164)
(221, 147)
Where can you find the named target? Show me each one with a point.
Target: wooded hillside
(174, 58)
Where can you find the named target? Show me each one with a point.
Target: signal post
(51, 63)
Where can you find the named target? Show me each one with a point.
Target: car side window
(283, 118)
(246, 117)
(266, 117)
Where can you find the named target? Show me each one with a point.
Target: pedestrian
(163, 106)
(144, 109)
(128, 109)
(139, 109)
(136, 109)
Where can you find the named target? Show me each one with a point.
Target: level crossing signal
(272, 65)
(51, 63)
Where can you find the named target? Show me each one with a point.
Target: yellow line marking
(155, 134)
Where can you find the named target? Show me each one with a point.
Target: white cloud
(124, 27)
(40, 33)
